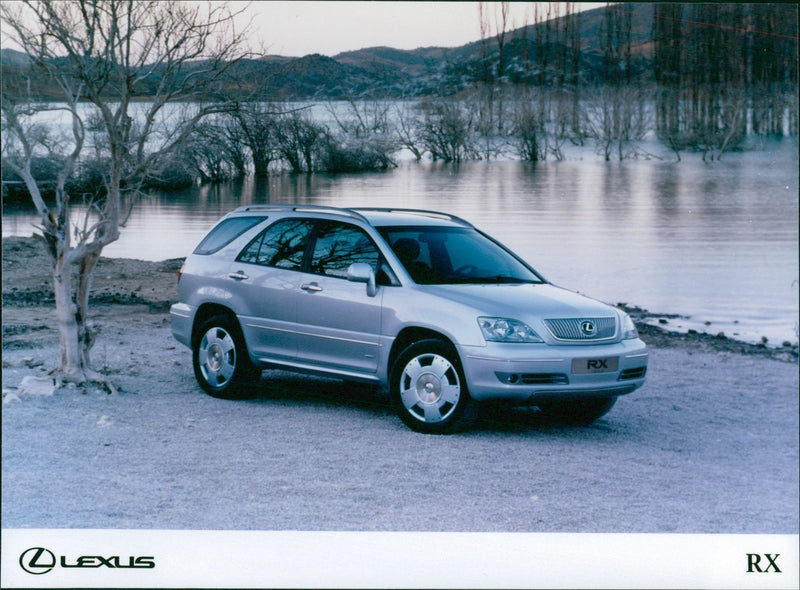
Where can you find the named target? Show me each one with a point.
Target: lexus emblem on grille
(588, 328)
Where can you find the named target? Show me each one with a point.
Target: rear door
(268, 273)
(338, 323)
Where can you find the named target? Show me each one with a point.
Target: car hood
(522, 301)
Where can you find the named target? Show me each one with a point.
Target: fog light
(508, 378)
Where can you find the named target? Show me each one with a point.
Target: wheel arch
(206, 311)
(411, 334)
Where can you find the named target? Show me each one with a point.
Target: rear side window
(282, 245)
(225, 232)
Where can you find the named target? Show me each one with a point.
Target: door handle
(313, 287)
(238, 275)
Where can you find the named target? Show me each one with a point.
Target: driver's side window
(339, 245)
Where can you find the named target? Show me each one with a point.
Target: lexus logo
(588, 328)
(37, 560)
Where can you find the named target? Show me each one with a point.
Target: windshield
(455, 255)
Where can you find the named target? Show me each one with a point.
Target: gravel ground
(708, 445)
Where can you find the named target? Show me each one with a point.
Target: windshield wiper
(509, 279)
(493, 280)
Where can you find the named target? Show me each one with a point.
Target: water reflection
(717, 242)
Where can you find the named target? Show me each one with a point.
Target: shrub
(356, 156)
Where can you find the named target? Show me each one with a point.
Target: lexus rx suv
(419, 302)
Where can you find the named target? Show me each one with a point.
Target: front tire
(221, 364)
(428, 388)
(580, 412)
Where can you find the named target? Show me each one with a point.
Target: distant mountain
(385, 71)
(11, 57)
(429, 69)
(308, 76)
(416, 62)
(422, 60)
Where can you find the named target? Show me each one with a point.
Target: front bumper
(531, 372)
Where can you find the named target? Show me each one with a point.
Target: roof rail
(260, 208)
(305, 208)
(332, 210)
(354, 212)
(422, 212)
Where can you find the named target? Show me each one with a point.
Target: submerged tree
(724, 70)
(102, 54)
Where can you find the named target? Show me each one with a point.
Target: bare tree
(723, 70)
(447, 131)
(258, 124)
(217, 150)
(492, 16)
(407, 129)
(362, 116)
(529, 128)
(300, 141)
(100, 55)
(365, 139)
(501, 28)
(485, 73)
(616, 119)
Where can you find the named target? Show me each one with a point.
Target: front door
(338, 323)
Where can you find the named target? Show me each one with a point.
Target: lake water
(716, 242)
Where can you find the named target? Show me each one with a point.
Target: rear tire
(221, 364)
(428, 388)
(580, 412)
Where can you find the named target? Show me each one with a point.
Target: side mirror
(361, 272)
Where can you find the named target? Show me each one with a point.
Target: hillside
(537, 53)
(377, 70)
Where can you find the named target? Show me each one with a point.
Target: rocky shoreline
(144, 287)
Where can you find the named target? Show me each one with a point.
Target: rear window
(225, 232)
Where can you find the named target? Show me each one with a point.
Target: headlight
(629, 330)
(507, 330)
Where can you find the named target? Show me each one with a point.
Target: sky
(300, 28)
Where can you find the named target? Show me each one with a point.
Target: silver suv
(420, 302)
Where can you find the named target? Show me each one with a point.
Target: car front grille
(582, 329)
